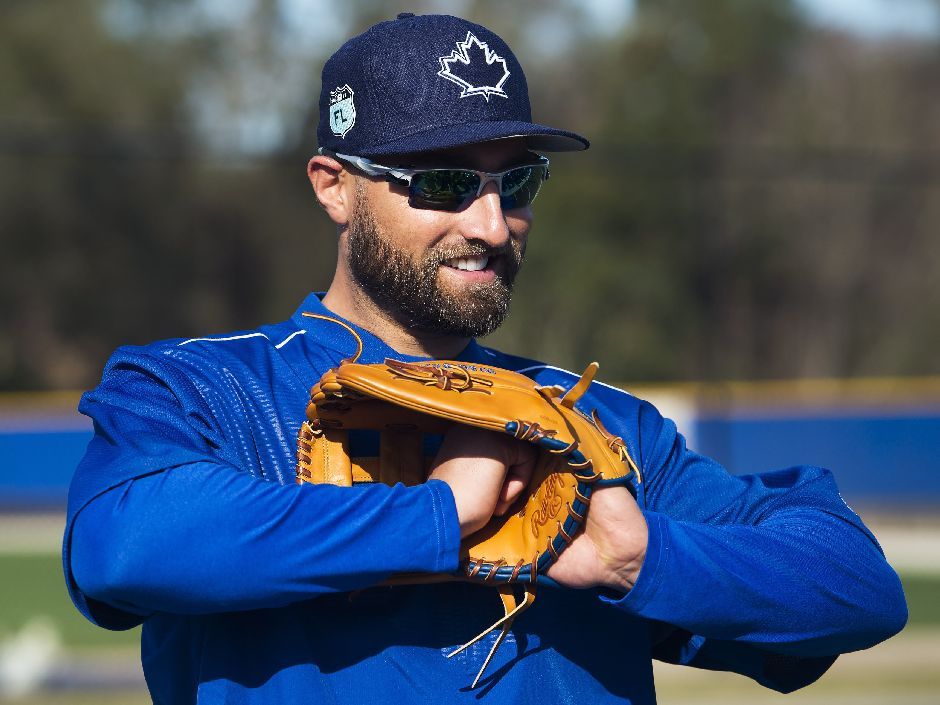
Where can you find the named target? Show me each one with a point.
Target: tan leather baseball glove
(405, 401)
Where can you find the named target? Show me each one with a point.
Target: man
(183, 514)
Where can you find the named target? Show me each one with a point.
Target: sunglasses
(452, 189)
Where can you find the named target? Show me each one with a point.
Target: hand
(610, 549)
(486, 471)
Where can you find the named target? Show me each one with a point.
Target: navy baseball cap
(428, 82)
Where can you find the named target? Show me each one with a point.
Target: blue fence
(880, 438)
(878, 459)
(42, 438)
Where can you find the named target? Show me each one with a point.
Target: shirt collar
(334, 335)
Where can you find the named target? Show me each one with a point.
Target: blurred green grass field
(32, 585)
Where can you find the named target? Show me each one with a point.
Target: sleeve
(202, 539)
(164, 515)
(769, 575)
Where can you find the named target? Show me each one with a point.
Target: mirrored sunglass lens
(443, 188)
(521, 186)
(515, 179)
(451, 189)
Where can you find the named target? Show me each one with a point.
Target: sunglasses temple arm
(369, 167)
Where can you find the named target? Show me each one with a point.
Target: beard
(407, 286)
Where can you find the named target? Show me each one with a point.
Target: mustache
(473, 249)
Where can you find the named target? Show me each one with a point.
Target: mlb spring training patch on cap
(476, 68)
(342, 110)
(420, 83)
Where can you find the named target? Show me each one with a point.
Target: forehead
(483, 156)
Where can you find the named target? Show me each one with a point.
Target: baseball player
(184, 515)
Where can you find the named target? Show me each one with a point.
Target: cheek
(412, 229)
(422, 229)
(519, 222)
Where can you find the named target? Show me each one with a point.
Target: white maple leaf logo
(480, 63)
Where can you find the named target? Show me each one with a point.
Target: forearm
(805, 583)
(203, 538)
(774, 560)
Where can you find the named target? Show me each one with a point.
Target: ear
(333, 186)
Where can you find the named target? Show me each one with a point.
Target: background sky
(872, 18)
(877, 17)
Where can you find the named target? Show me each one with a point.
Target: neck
(346, 299)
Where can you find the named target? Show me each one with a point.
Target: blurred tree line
(761, 199)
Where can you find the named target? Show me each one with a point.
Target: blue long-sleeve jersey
(184, 516)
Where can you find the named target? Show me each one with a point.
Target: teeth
(469, 264)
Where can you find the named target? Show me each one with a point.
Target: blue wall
(36, 466)
(877, 457)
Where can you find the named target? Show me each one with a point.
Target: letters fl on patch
(342, 110)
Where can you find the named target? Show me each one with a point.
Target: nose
(484, 219)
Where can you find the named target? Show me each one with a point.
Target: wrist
(624, 558)
(466, 508)
(622, 578)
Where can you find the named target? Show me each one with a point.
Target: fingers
(474, 463)
(517, 478)
(486, 471)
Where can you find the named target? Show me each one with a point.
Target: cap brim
(539, 137)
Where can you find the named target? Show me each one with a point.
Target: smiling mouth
(467, 264)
